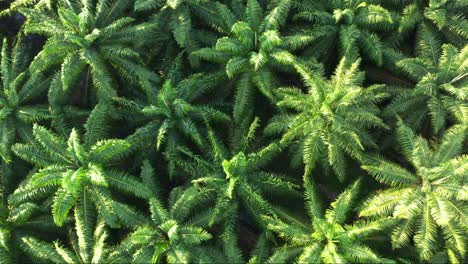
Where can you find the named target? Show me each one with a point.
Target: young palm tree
(15, 5)
(18, 222)
(429, 198)
(353, 24)
(446, 16)
(87, 246)
(233, 179)
(331, 120)
(171, 234)
(173, 15)
(230, 251)
(172, 116)
(76, 172)
(19, 87)
(441, 89)
(330, 240)
(250, 52)
(95, 39)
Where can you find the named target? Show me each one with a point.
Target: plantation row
(233, 131)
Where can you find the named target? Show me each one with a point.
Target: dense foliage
(233, 131)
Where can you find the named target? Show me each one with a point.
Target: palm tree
(233, 178)
(175, 116)
(18, 222)
(331, 120)
(328, 239)
(448, 17)
(92, 40)
(250, 51)
(87, 246)
(173, 15)
(171, 234)
(230, 250)
(19, 87)
(77, 172)
(440, 72)
(15, 5)
(353, 24)
(429, 197)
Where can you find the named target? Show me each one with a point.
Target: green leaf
(85, 218)
(159, 248)
(67, 255)
(41, 249)
(52, 144)
(127, 183)
(254, 14)
(343, 204)
(391, 174)
(313, 201)
(63, 203)
(235, 66)
(75, 148)
(372, 46)
(406, 138)
(181, 25)
(277, 17)
(95, 124)
(106, 150)
(451, 145)
(425, 237)
(72, 68)
(243, 97)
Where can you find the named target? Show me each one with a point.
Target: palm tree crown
(17, 222)
(233, 178)
(429, 198)
(446, 16)
(250, 52)
(440, 72)
(170, 235)
(94, 37)
(88, 246)
(331, 241)
(173, 113)
(19, 87)
(331, 119)
(353, 23)
(76, 171)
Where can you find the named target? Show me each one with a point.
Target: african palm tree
(173, 114)
(18, 222)
(231, 252)
(19, 87)
(250, 52)
(91, 39)
(87, 246)
(15, 5)
(328, 239)
(429, 197)
(233, 178)
(440, 73)
(353, 24)
(446, 16)
(173, 15)
(76, 172)
(331, 120)
(171, 234)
